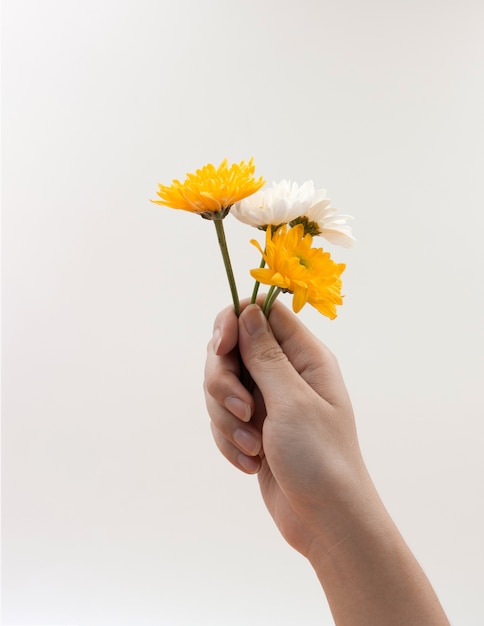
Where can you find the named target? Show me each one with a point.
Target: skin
(296, 430)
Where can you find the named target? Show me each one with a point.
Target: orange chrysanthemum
(211, 191)
(294, 266)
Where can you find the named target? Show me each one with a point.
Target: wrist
(368, 573)
(355, 511)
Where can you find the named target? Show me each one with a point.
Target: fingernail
(247, 441)
(254, 321)
(216, 339)
(250, 464)
(238, 408)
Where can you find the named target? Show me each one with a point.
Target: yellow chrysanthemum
(294, 266)
(211, 191)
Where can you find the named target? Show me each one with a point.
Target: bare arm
(297, 431)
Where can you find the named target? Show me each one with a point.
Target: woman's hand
(296, 429)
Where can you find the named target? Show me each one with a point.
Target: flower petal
(211, 189)
(294, 265)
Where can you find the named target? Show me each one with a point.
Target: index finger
(225, 332)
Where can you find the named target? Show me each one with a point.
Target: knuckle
(270, 355)
(211, 386)
(219, 386)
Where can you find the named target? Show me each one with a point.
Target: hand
(301, 437)
(296, 429)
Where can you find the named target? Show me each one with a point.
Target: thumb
(263, 356)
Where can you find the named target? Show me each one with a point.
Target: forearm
(311, 474)
(371, 578)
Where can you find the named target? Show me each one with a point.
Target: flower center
(303, 261)
(311, 228)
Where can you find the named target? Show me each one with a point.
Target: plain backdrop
(117, 508)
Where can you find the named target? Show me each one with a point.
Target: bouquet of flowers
(291, 215)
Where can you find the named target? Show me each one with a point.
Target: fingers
(315, 363)
(232, 449)
(225, 331)
(240, 442)
(222, 385)
(229, 404)
(288, 364)
(264, 357)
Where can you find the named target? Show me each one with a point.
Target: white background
(117, 508)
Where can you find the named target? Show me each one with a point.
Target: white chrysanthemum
(276, 205)
(324, 220)
(289, 203)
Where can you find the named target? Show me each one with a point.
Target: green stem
(255, 292)
(270, 299)
(219, 227)
(257, 283)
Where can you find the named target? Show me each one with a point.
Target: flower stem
(270, 299)
(257, 283)
(219, 227)
(255, 292)
(245, 377)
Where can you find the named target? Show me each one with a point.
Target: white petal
(338, 237)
